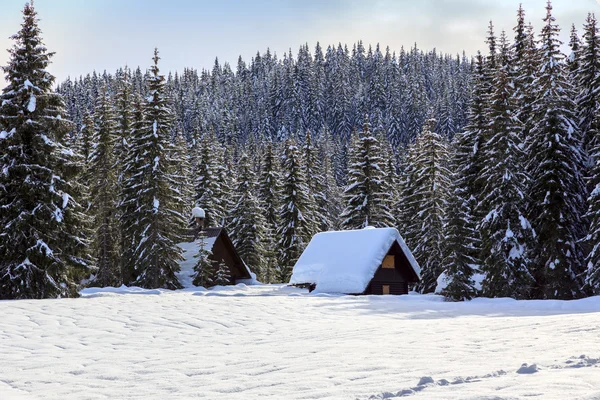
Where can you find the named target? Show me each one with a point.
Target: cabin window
(386, 289)
(388, 262)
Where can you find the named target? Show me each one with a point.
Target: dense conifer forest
(488, 166)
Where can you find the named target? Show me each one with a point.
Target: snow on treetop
(345, 261)
(198, 212)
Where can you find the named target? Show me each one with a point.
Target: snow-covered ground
(272, 342)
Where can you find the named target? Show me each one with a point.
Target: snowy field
(271, 342)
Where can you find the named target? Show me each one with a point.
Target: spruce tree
(204, 270)
(506, 233)
(156, 254)
(103, 206)
(461, 248)
(525, 65)
(129, 201)
(222, 275)
(43, 248)
(209, 192)
(365, 197)
(592, 239)
(248, 223)
(182, 174)
(588, 84)
(295, 225)
(269, 191)
(314, 180)
(430, 183)
(556, 162)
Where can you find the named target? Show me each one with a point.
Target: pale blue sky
(106, 34)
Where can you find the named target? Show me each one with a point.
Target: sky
(107, 34)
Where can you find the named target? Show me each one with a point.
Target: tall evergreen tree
(461, 249)
(506, 233)
(364, 196)
(129, 200)
(592, 239)
(295, 226)
(588, 84)
(43, 249)
(428, 203)
(104, 193)
(248, 223)
(156, 253)
(556, 162)
(209, 191)
(269, 191)
(205, 269)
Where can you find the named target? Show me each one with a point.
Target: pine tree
(365, 198)
(461, 249)
(556, 162)
(205, 267)
(506, 233)
(315, 181)
(182, 173)
(43, 249)
(574, 57)
(295, 225)
(588, 84)
(525, 64)
(269, 191)
(430, 181)
(129, 201)
(123, 101)
(156, 253)
(248, 223)
(104, 193)
(85, 139)
(209, 192)
(592, 239)
(222, 274)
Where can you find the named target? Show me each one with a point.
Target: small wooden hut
(366, 261)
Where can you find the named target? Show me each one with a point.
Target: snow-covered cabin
(365, 261)
(222, 249)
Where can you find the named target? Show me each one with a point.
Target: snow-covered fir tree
(314, 181)
(156, 254)
(462, 240)
(204, 269)
(592, 239)
(248, 223)
(129, 201)
(555, 162)
(365, 198)
(269, 190)
(124, 115)
(182, 153)
(507, 236)
(222, 274)
(330, 200)
(43, 250)
(526, 65)
(588, 84)
(103, 199)
(209, 191)
(430, 181)
(295, 223)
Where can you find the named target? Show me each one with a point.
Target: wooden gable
(224, 250)
(393, 275)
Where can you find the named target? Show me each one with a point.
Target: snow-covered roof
(346, 261)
